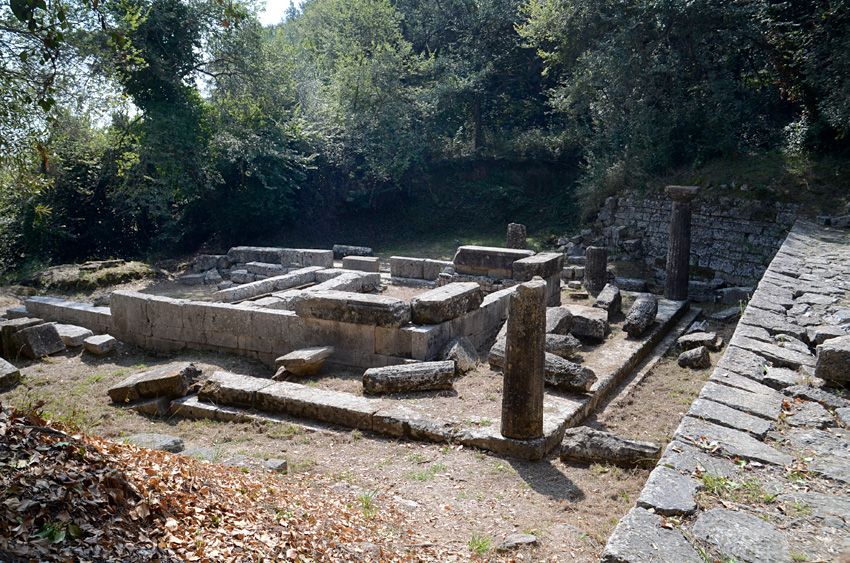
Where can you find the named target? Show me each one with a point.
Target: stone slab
(9, 374)
(731, 442)
(742, 536)
(810, 415)
(640, 538)
(545, 265)
(589, 445)
(232, 389)
(833, 359)
(828, 399)
(718, 413)
(361, 263)
(588, 322)
(730, 379)
(488, 261)
(777, 355)
(318, 404)
(425, 376)
(100, 345)
(71, 335)
(407, 267)
(765, 406)
(305, 361)
(37, 341)
(689, 460)
(172, 380)
(152, 441)
(445, 303)
(669, 493)
(344, 307)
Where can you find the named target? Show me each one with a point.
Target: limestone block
(8, 328)
(488, 261)
(226, 388)
(172, 380)
(266, 269)
(426, 341)
(100, 345)
(340, 251)
(16, 313)
(609, 300)
(164, 344)
(641, 536)
(320, 258)
(206, 262)
(697, 358)
(9, 374)
(462, 352)
(589, 322)
(228, 319)
(559, 320)
(129, 311)
(696, 339)
(587, 444)
(37, 341)
(431, 269)
(741, 536)
(445, 303)
(820, 334)
(164, 312)
(393, 342)
(71, 335)
(630, 284)
(163, 442)
(734, 295)
(344, 307)
(426, 376)
(558, 372)
(245, 254)
(305, 361)
(362, 263)
(406, 267)
(342, 281)
(545, 265)
(318, 404)
(561, 345)
(833, 359)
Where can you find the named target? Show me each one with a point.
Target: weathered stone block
(129, 311)
(431, 269)
(587, 444)
(559, 320)
(425, 376)
(405, 267)
(71, 335)
(164, 312)
(557, 371)
(697, 358)
(245, 254)
(361, 263)
(340, 251)
(16, 313)
(344, 307)
(488, 261)
(163, 442)
(37, 341)
(393, 342)
(9, 374)
(833, 359)
(640, 537)
(445, 303)
(545, 265)
(100, 345)
(609, 300)
(8, 328)
(314, 257)
(265, 269)
(589, 322)
(462, 353)
(305, 361)
(225, 388)
(228, 319)
(172, 380)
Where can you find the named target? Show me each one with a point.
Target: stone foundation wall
(732, 239)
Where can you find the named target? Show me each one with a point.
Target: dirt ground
(452, 496)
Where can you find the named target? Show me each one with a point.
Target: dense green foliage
(131, 126)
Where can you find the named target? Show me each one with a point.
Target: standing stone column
(595, 269)
(517, 236)
(679, 245)
(522, 396)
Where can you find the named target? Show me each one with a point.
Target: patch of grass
(428, 474)
(367, 502)
(797, 556)
(479, 543)
(415, 457)
(502, 468)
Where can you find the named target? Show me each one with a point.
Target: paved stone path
(759, 469)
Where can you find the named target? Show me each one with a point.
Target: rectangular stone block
(431, 269)
(172, 380)
(245, 254)
(340, 281)
(545, 265)
(445, 303)
(164, 344)
(231, 389)
(130, 313)
(165, 312)
(16, 313)
(376, 310)
(266, 269)
(488, 261)
(228, 319)
(426, 341)
(291, 257)
(9, 374)
(294, 278)
(320, 258)
(406, 267)
(37, 341)
(8, 328)
(362, 263)
(319, 404)
(392, 342)
(346, 338)
(72, 335)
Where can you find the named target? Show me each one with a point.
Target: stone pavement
(759, 469)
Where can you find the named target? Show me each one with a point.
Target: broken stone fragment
(100, 344)
(589, 322)
(305, 361)
(172, 380)
(696, 339)
(561, 345)
(71, 335)
(162, 442)
(9, 374)
(425, 376)
(37, 341)
(10, 327)
(445, 303)
(697, 358)
(559, 320)
(609, 300)
(462, 353)
(515, 541)
(558, 372)
(641, 315)
(833, 359)
(589, 445)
